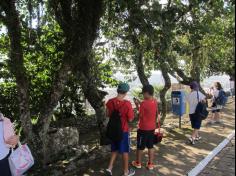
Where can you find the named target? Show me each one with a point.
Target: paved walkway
(223, 164)
(173, 156)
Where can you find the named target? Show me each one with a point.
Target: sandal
(198, 138)
(192, 141)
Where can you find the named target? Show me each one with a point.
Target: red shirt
(125, 109)
(147, 115)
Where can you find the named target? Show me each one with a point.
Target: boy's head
(123, 89)
(148, 91)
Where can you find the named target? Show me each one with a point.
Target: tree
(148, 29)
(220, 44)
(191, 50)
(79, 29)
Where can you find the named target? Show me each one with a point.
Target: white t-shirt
(216, 93)
(232, 84)
(193, 100)
(4, 150)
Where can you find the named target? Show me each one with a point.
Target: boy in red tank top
(147, 125)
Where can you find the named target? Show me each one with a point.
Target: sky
(157, 79)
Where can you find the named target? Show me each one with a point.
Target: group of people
(147, 115)
(195, 97)
(148, 111)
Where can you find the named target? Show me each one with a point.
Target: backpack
(201, 110)
(114, 127)
(221, 99)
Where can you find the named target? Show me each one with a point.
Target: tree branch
(184, 12)
(2, 18)
(169, 4)
(79, 42)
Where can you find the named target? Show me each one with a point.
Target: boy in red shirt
(147, 125)
(127, 115)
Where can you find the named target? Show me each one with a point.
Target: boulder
(62, 140)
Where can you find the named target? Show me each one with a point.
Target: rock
(72, 167)
(62, 140)
(57, 173)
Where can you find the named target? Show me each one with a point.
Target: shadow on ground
(173, 156)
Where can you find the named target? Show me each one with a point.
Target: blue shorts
(123, 146)
(196, 121)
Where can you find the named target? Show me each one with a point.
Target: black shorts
(215, 110)
(4, 167)
(145, 139)
(196, 121)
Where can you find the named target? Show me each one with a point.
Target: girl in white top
(5, 150)
(215, 118)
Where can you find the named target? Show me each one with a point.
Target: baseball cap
(123, 87)
(194, 85)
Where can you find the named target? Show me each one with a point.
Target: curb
(197, 170)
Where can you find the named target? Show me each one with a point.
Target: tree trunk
(96, 98)
(138, 57)
(80, 31)
(88, 77)
(16, 64)
(140, 67)
(137, 47)
(167, 86)
(195, 72)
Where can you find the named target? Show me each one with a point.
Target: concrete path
(173, 156)
(223, 164)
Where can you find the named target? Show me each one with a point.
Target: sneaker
(192, 141)
(137, 165)
(219, 122)
(131, 173)
(198, 138)
(108, 172)
(210, 122)
(150, 166)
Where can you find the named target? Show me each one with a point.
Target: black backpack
(201, 110)
(114, 127)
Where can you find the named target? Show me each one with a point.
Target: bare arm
(12, 141)
(107, 113)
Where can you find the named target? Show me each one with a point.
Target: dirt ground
(173, 156)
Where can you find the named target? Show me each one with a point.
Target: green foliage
(43, 46)
(204, 45)
(8, 99)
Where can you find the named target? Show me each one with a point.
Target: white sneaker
(108, 172)
(219, 122)
(192, 141)
(131, 173)
(210, 122)
(198, 138)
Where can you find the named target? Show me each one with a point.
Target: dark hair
(194, 85)
(218, 86)
(148, 89)
(121, 92)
